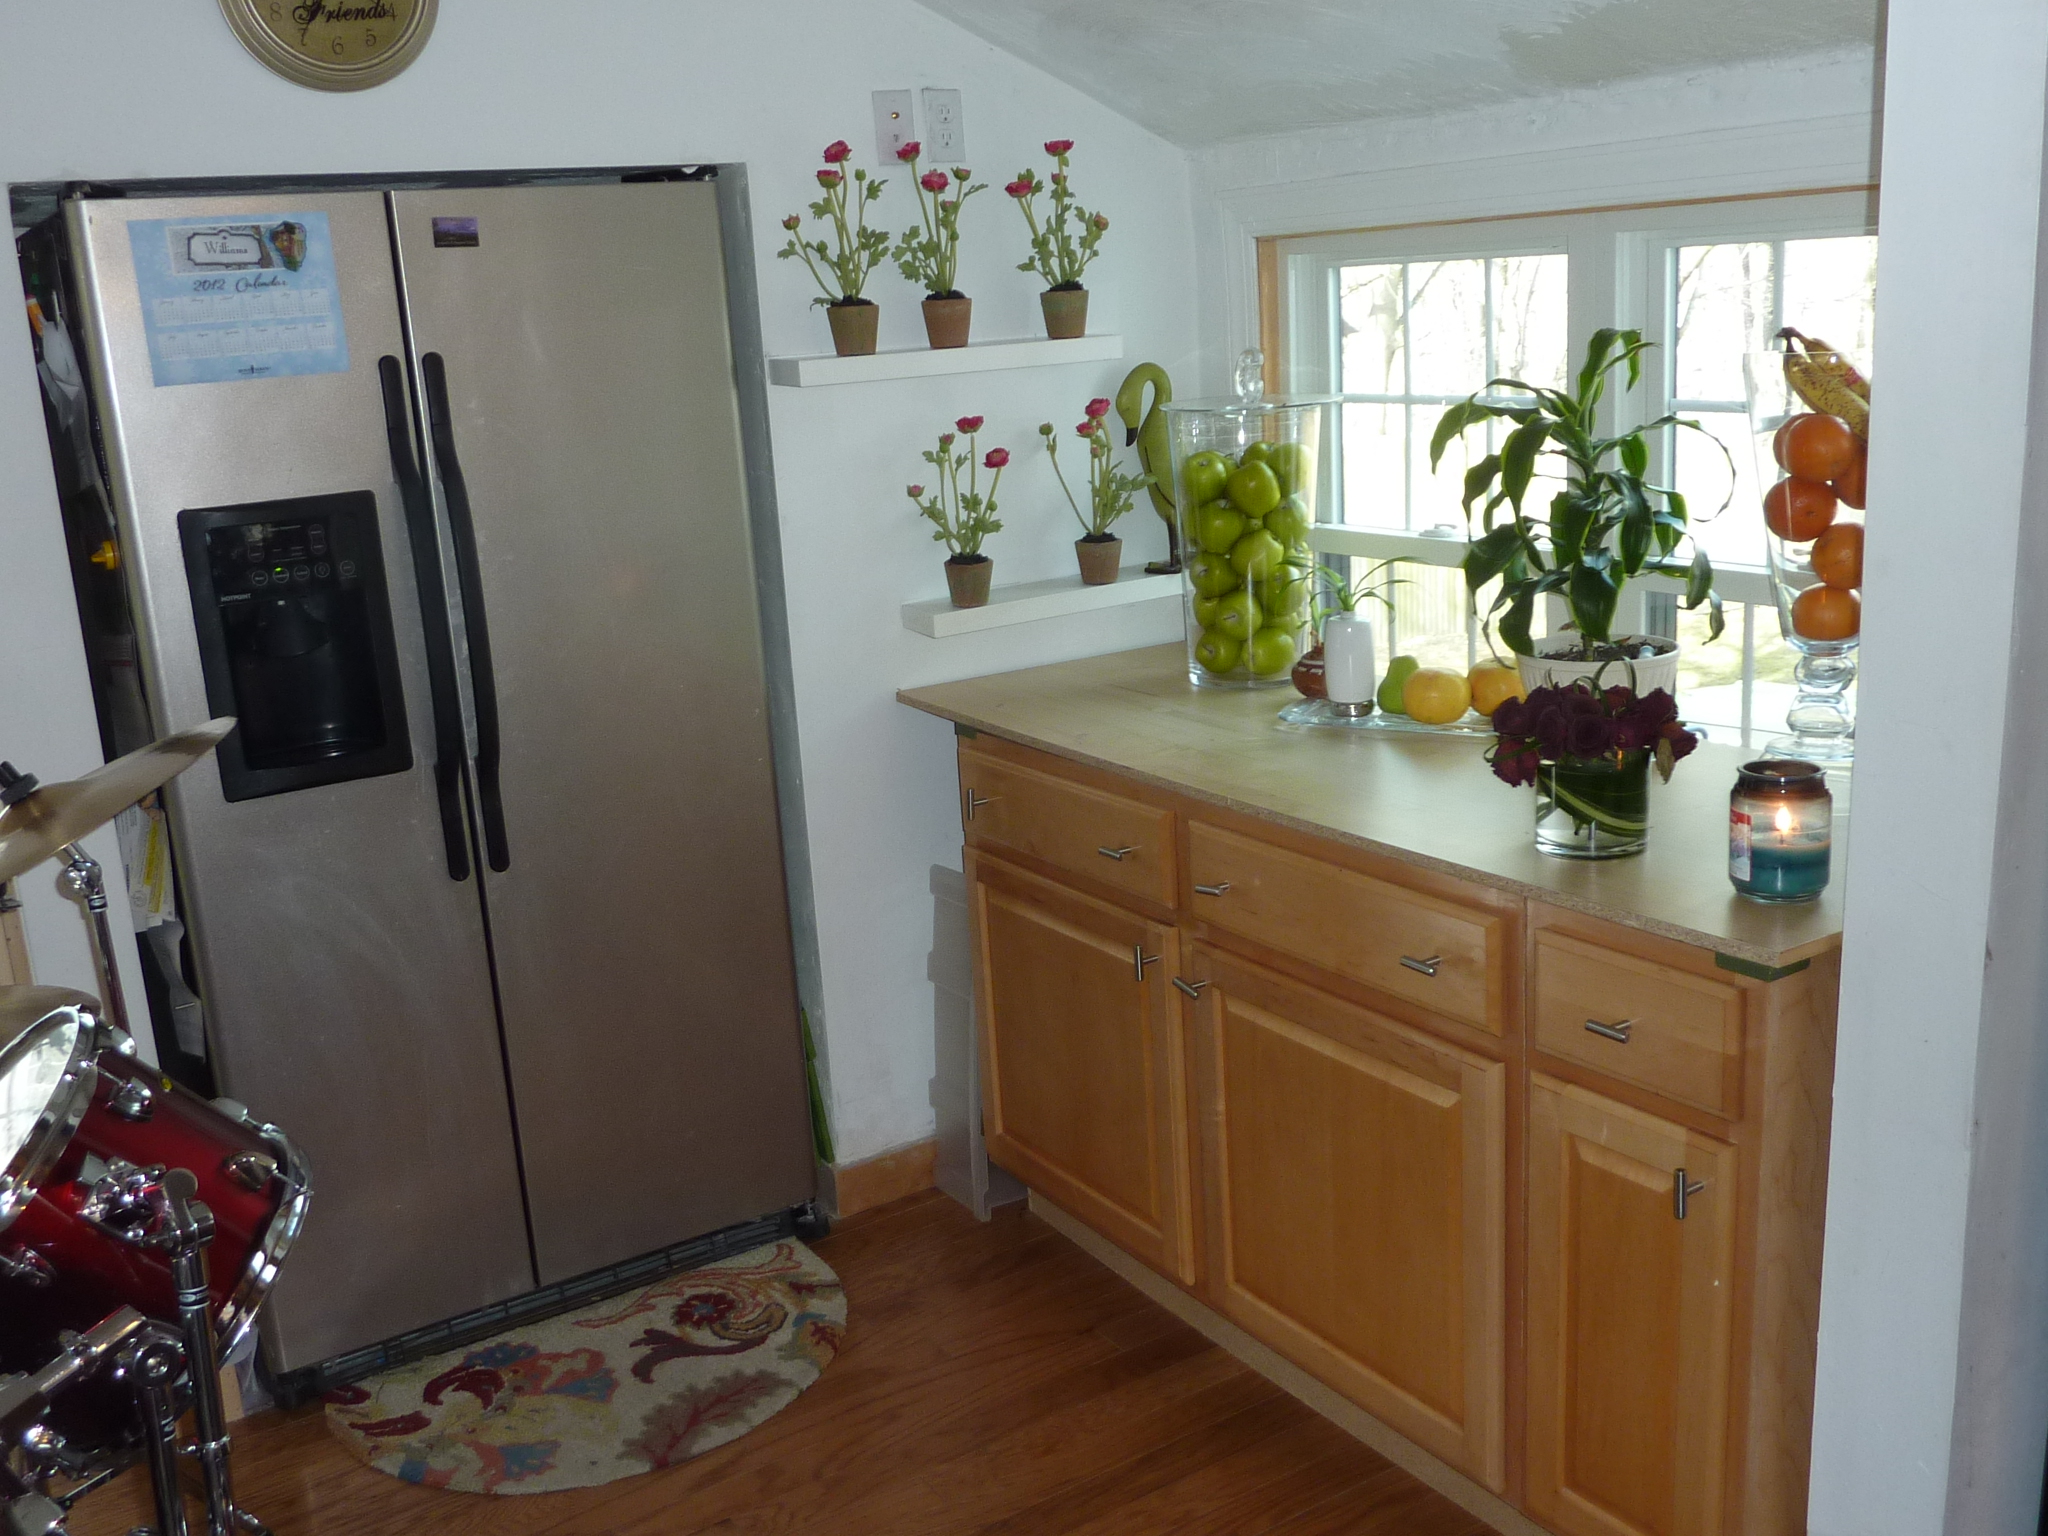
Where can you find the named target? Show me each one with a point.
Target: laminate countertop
(1427, 800)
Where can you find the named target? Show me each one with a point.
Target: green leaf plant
(1065, 240)
(929, 254)
(1340, 593)
(1605, 526)
(963, 517)
(855, 250)
(1110, 490)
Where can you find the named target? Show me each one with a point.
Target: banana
(1826, 380)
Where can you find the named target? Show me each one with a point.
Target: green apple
(1238, 615)
(1284, 594)
(1272, 651)
(1218, 652)
(1218, 525)
(1257, 453)
(1290, 464)
(1288, 522)
(1202, 477)
(1399, 670)
(1253, 488)
(1255, 554)
(1205, 611)
(1212, 575)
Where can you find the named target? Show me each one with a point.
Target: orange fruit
(1838, 556)
(1434, 696)
(1493, 685)
(1815, 447)
(1849, 483)
(1797, 510)
(1827, 613)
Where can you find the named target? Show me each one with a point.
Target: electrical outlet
(892, 125)
(945, 132)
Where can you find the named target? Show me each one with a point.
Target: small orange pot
(946, 321)
(853, 327)
(1066, 312)
(1099, 559)
(967, 579)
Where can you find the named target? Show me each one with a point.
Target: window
(1399, 323)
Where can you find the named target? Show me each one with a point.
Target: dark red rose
(1589, 735)
(1511, 718)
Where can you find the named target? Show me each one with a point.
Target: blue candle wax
(1781, 873)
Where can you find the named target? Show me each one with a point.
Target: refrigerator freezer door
(346, 975)
(640, 925)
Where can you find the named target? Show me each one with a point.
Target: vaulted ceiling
(1203, 72)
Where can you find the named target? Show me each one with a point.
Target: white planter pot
(1651, 673)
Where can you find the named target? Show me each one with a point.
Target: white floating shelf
(931, 362)
(1031, 600)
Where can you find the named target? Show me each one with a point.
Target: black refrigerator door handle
(469, 575)
(426, 564)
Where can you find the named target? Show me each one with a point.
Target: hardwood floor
(995, 1380)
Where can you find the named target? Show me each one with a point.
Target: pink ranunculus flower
(1019, 188)
(792, 222)
(1059, 178)
(1057, 147)
(916, 491)
(1097, 408)
(829, 178)
(837, 151)
(1086, 429)
(995, 458)
(961, 173)
(910, 151)
(945, 441)
(969, 424)
(934, 181)
(1100, 221)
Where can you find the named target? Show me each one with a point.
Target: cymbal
(33, 829)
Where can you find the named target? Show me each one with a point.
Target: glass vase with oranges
(1809, 414)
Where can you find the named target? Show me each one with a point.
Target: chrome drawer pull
(1426, 967)
(976, 802)
(1213, 890)
(1116, 853)
(1139, 960)
(1618, 1033)
(1193, 989)
(1681, 1192)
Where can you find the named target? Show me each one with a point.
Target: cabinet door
(1629, 1316)
(1083, 1072)
(1357, 1179)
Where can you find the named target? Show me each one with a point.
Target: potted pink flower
(929, 254)
(1062, 244)
(963, 518)
(841, 268)
(1110, 495)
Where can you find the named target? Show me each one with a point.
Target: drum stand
(83, 875)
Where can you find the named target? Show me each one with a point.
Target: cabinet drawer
(1444, 957)
(1107, 838)
(1683, 1032)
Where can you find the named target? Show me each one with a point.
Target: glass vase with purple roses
(1588, 751)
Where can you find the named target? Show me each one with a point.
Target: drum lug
(132, 1101)
(252, 1170)
(27, 1266)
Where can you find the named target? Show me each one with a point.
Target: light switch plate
(945, 131)
(892, 125)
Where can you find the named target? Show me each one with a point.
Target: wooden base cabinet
(1356, 1177)
(1630, 1287)
(1083, 1072)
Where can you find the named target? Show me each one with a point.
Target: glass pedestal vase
(1594, 808)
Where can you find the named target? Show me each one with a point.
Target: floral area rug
(630, 1385)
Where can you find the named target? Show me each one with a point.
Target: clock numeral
(277, 11)
(338, 48)
(369, 39)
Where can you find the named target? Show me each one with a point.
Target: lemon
(1493, 685)
(1434, 696)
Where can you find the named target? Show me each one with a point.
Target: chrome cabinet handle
(1213, 890)
(1681, 1191)
(1193, 988)
(976, 802)
(1118, 854)
(1618, 1033)
(1139, 960)
(1426, 967)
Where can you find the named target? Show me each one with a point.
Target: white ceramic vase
(1650, 673)
(1349, 670)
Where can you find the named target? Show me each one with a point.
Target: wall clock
(333, 45)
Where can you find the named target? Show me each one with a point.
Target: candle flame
(1783, 820)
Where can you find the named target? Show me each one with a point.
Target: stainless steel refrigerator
(444, 492)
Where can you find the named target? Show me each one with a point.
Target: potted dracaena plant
(1110, 495)
(929, 253)
(1606, 524)
(1061, 246)
(963, 518)
(841, 268)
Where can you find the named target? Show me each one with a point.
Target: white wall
(127, 89)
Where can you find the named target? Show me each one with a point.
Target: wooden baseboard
(851, 1188)
(1292, 1379)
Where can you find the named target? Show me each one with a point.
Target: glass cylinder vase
(1594, 808)
(1811, 465)
(1251, 483)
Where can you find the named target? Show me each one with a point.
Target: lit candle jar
(1780, 829)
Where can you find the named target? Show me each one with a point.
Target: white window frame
(1620, 274)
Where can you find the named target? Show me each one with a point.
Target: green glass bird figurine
(1155, 451)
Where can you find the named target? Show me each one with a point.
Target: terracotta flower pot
(946, 321)
(1099, 558)
(967, 579)
(1066, 312)
(853, 327)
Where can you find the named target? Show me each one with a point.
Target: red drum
(95, 1129)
